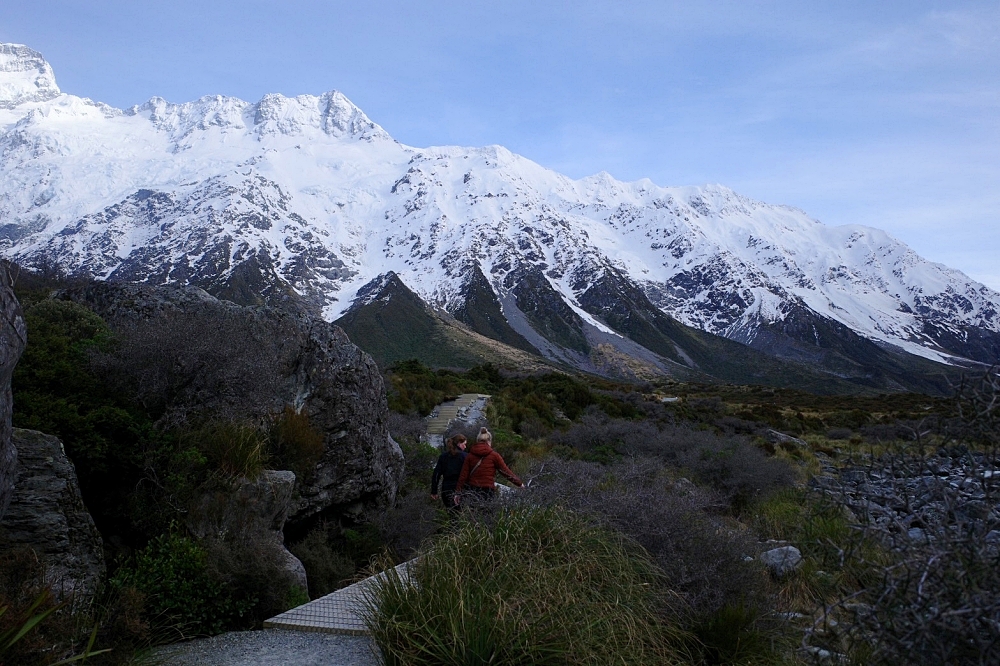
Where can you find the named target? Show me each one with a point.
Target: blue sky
(880, 113)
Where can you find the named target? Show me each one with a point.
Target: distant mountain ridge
(307, 198)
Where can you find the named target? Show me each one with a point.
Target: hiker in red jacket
(480, 468)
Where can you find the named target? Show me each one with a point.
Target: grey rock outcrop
(187, 355)
(782, 561)
(254, 510)
(47, 514)
(786, 442)
(13, 336)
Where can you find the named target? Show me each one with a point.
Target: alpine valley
(459, 255)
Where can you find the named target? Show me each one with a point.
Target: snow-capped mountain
(308, 194)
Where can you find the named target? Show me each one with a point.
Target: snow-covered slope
(317, 195)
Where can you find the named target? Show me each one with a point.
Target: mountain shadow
(393, 324)
(481, 311)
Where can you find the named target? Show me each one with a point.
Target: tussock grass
(234, 449)
(526, 586)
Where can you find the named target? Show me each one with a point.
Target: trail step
(446, 412)
(339, 612)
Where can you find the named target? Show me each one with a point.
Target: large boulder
(187, 355)
(47, 514)
(250, 511)
(12, 340)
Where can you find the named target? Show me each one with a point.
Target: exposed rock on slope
(251, 510)
(47, 514)
(13, 336)
(187, 355)
(27, 77)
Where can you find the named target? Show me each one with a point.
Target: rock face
(47, 514)
(24, 76)
(187, 355)
(12, 340)
(255, 510)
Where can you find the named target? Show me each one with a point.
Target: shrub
(296, 445)
(730, 464)
(910, 530)
(56, 392)
(209, 360)
(533, 586)
(232, 448)
(702, 560)
(66, 628)
(182, 597)
(412, 518)
(327, 568)
(406, 429)
(249, 566)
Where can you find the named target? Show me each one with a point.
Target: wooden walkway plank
(446, 412)
(340, 612)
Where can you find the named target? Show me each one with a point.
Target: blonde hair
(484, 436)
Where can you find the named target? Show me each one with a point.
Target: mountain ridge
(321, 201)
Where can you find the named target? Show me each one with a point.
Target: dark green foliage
(731, 465)
(327, 568)
(416, 389)
(56, 392)
(538, 401)
(181, 594)
(250, 567)
(731, 635)
(196, 588)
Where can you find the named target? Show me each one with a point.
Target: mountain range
(456, 255)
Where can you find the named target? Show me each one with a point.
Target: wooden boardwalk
(340, 612)
(443, 415)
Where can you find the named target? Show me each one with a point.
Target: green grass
(538, 586)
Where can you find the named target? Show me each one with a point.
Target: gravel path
(270, 647)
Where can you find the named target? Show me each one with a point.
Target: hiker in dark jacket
(481, 467)
(447, 471)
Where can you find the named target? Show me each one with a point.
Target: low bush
(62, 629)
(413, 516)
(235, 449)
(532, 586)
(701, 557)
(23, 596)
(183, 598)
(250, 568)
(294, 444)
(327, 568)
(730, 464)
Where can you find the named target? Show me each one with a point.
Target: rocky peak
(25, 76)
